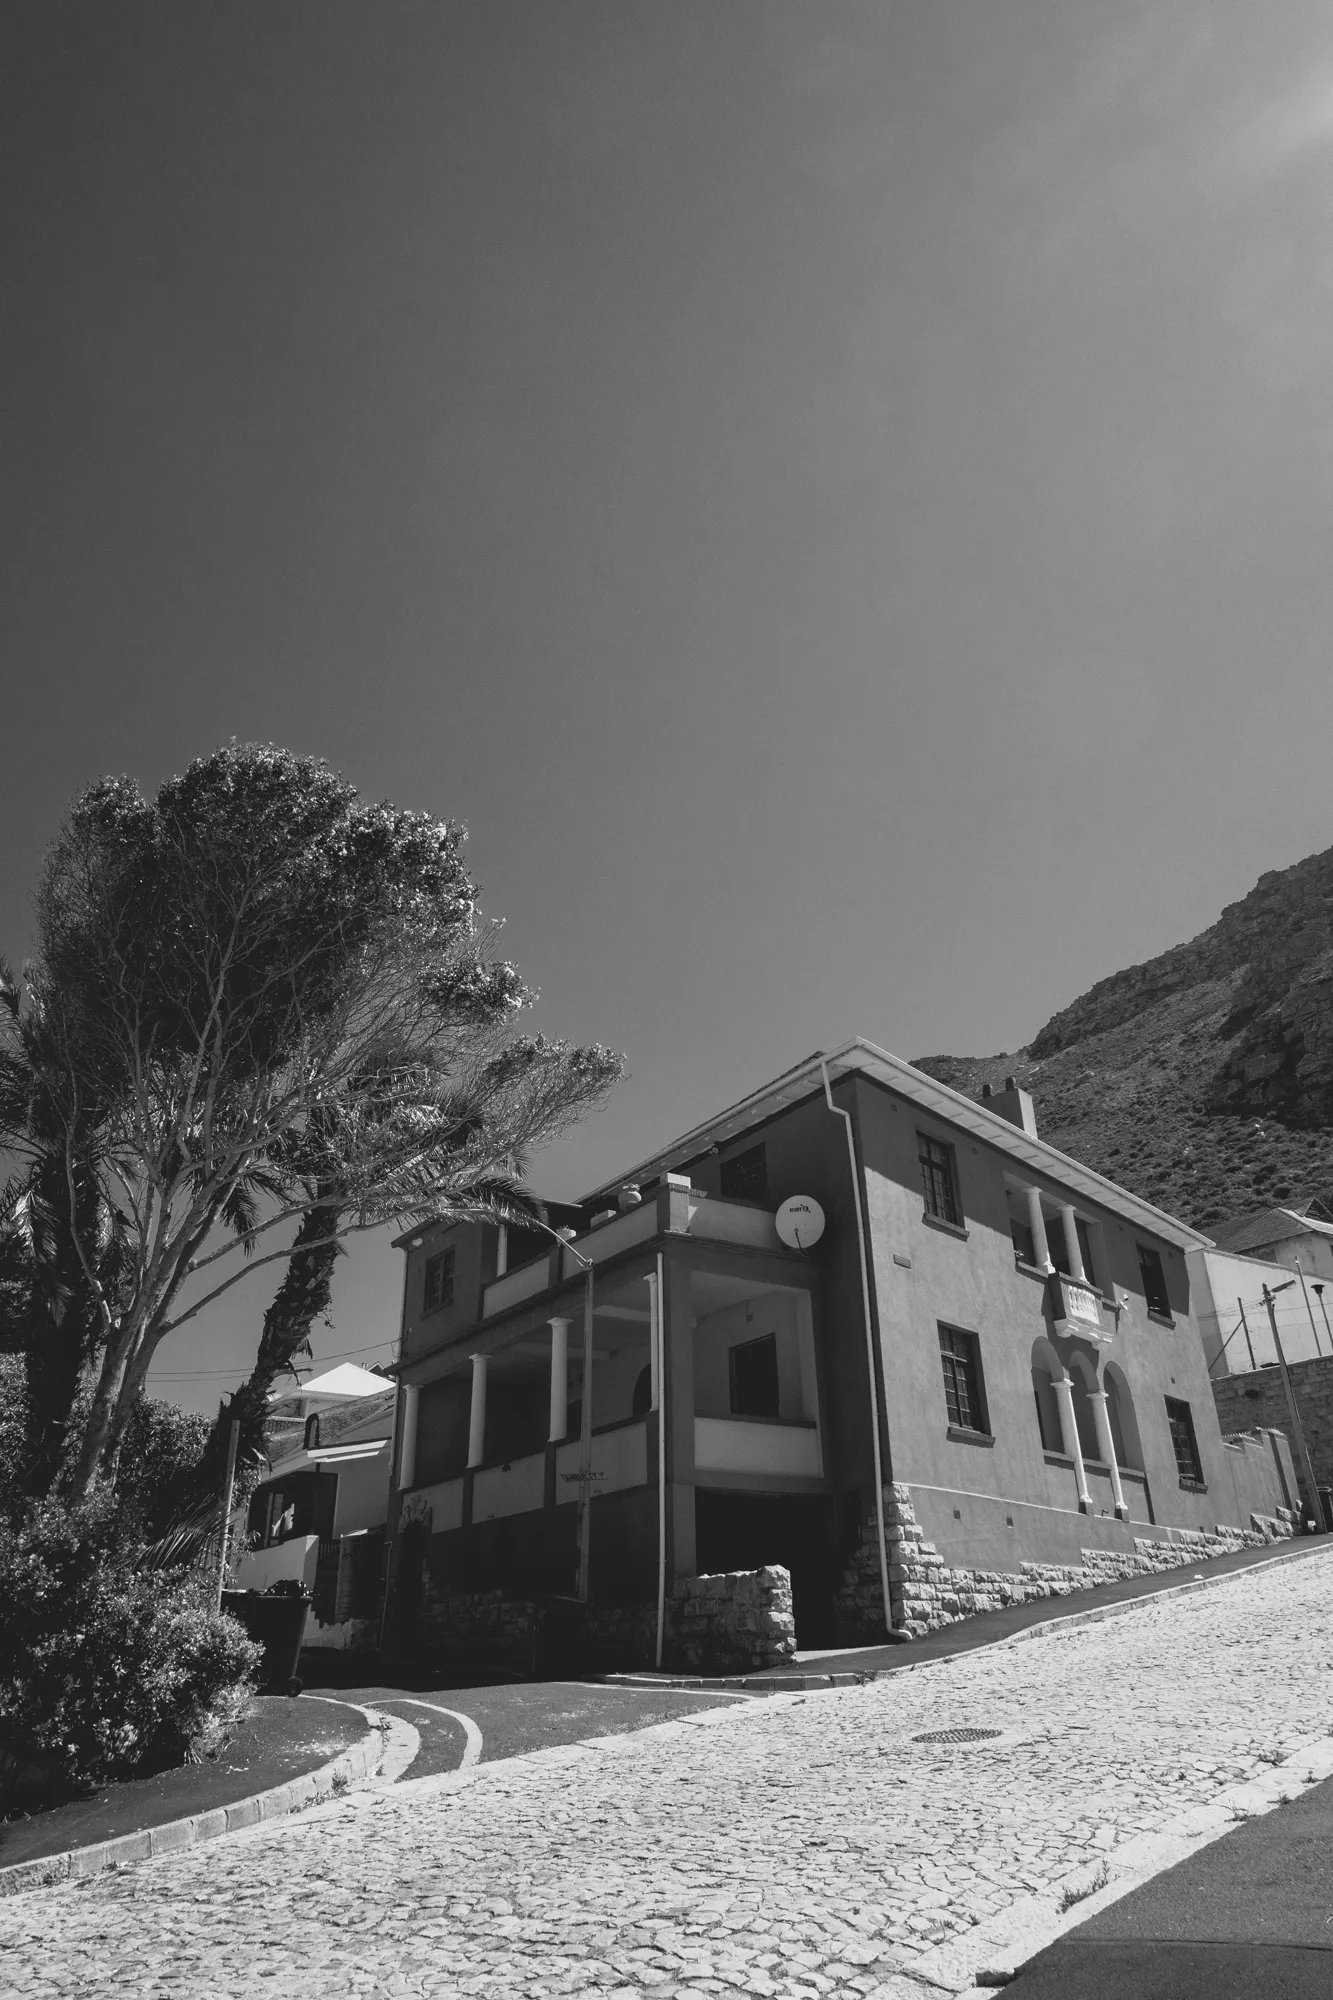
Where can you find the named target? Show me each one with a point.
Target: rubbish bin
(277, 1622)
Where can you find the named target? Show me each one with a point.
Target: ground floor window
(1181, 1420)
(964, 1395)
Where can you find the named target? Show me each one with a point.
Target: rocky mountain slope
(1202, 1080)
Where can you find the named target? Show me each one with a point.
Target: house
(989, 1350)
(1240, 1335)
(318, 1517)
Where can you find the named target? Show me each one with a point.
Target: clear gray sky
(837, 497)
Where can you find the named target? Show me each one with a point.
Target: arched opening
(642, 1400)
(312, 1433)
(1124, 1424)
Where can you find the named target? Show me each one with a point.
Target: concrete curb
(359, 1761)
(811, 1683)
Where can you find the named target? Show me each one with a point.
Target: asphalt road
(467, 1725)
(1248, 1918)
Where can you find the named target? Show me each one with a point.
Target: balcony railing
(738, 1444)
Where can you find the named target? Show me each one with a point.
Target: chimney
(1014, 1104)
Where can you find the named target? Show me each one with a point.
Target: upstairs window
(1025, 1250)
(754, 1377)
(1180, 1418)
(439, 1282)
(1154, 1281)
(964, 1397)
(939, 1183)
(744, 1177)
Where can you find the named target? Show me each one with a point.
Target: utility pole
(1246, 1324)
(229, 1481)
(1298, 1429)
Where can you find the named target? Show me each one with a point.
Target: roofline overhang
(863, 1058)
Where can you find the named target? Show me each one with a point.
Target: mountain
(1202, 1080)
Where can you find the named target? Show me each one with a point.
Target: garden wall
(736, 1622)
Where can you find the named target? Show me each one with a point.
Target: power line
(202, 1374)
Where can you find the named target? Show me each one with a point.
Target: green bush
(105, 1671)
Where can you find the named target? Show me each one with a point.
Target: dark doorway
(748, 1530)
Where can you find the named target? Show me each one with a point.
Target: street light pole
(1318, 1291)
(585, 1473)
(1298, 1429)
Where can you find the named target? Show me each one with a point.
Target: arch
(311, 1433)
(1124, 1422)
(1047, 1370)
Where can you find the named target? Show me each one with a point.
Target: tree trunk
(301, 1299)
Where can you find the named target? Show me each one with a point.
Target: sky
(837, 498)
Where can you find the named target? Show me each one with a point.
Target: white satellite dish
(800, 1221)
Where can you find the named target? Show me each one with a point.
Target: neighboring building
(1008, 1338)
(1230, 1281)
(319, 1516)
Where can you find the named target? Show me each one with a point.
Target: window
(642, 1400)
(1181, 1421)
(754, 1377)
(1025, 1250)
(963, 1397)
(439, 1282)
(1085, 1245)
(938, 1182)
(744, 1177)
(1154, 1281)
(312, 1433)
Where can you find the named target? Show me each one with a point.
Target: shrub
(105, 1671)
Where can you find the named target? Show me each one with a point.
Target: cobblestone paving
(799, 1846)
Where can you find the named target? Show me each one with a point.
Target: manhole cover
(955, 1735)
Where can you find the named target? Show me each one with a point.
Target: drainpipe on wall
(846, 1116)
(659, 1351)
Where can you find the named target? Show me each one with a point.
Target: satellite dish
(800, 1222)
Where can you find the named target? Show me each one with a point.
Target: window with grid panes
(439, 1284)
(1180, 1418)
(963, 1398)
(1154, 1281)
(938, 1182)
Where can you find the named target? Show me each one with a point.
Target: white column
(559, 1380)
(1106, 1446)
(654, 1343)
(1064, 1396)
(1041, 1249)
(407, 1450)
(476, 1433)
(1073, 1248)
(502, 1250)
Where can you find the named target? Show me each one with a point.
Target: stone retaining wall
(925, 1593)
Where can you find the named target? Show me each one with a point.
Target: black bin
(278, 1624)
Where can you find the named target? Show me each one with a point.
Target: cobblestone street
(804, 1844)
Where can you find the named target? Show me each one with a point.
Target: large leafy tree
(257, 1004)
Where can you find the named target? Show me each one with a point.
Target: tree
(263, 1002)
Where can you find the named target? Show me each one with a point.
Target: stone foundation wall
(735, 1622)
(925, 1593)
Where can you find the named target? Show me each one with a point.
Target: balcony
(780, 1449)
(673, 1209)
